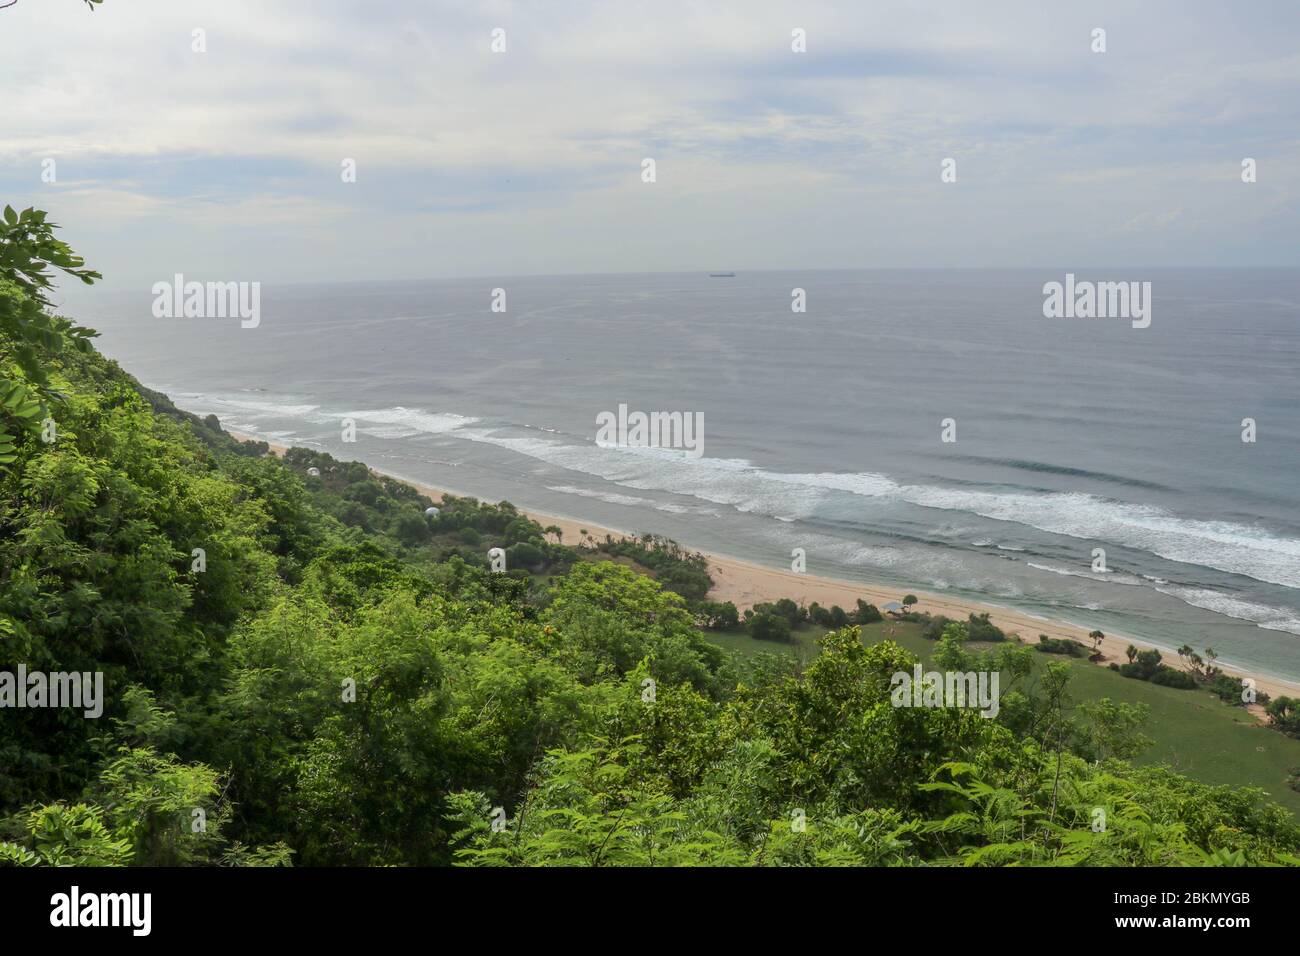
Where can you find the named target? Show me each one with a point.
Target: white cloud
(770, 158)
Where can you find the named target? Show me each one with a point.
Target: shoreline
(746, 583)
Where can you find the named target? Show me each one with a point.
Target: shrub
(1227, 689)
(1050, 645)
(717, 616)
(980, 628)
(934, 628)
(1284, 714)
(769, 627)
(1171, 677)
(524, 555)
(867, 613)
(411, 528)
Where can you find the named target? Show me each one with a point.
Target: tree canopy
(301, 665)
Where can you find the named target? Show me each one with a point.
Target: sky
(226, 164)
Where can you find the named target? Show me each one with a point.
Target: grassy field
(1193, 731)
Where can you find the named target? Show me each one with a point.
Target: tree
(908, 601)
(789, 610)
(525, 555)
(980, 628)
(950, 653)
(1113, 729)
(63, 835)
(867, 613)
(411, 528)
(717, 616)
(31, 339)
(1284, 713)
(769, 627)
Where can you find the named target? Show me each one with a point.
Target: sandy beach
(745, 584)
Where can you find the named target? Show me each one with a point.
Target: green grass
(1199, 735)
(1192, 730)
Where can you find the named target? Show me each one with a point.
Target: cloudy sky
(226, 164)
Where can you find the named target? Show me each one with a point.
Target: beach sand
(746, 584)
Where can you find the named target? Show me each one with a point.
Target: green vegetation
(1208, 740)
(1284, 712)
(301, 665)
(1049, 645)
(1147, 665)
(672, 566)
(29, 259)
(978, 627)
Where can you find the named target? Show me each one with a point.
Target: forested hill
(301, 666)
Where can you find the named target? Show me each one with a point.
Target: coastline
(746, 583)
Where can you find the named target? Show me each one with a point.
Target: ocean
(823, 429)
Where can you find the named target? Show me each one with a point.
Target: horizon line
(116, 288)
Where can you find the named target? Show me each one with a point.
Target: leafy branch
(30, 334)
